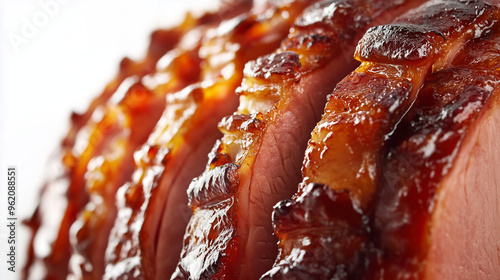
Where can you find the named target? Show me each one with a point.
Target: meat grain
(399, 179)
(362, 211)
(282, 96)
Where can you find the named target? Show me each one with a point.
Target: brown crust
(321, 34)
(393, 243)
(186, 130)
(95, 133)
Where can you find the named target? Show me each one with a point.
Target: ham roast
(346, 139)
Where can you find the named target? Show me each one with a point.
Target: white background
(58, 67)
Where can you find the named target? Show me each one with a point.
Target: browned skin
(146, 239)
(258, 160)
(431, 197)
(353, 152)
(336, 220)
(344, 151)
(465, 237)
(106, 125)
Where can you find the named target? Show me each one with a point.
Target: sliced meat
(120, 118)
(464, 242)
(432, 169)
(257, 162)
(345, 147)
(63, 194)
(352, 146)
(399, 179)
(146, 239)
(135, 115)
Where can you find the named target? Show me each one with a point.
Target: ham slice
(434, 180)
(146, 238)
(257, 162)
(360, 212)
(465, 237)
(103, 139)
(63, 195)
(399, 179)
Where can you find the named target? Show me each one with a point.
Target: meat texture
(257, 162)
(146, 238)
(96, 155)
(400, 178)
(436, 156)
(111, 168)
(63, 195)
(390, 134)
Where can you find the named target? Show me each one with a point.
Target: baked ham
(257, 162)
(146, 239)
(96, 156)
(374, 166)
(399, 179)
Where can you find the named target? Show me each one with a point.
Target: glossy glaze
(64, 194)
(390, 133)
(96, 158)
(422, 153)
(280, 100)
(385, 142)
(147, 235)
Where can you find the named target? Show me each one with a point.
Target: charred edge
(315, 48)
(324, 29)
(322, 235)
(301, 41)
(213, 186)
(283, 64)
(342, 17)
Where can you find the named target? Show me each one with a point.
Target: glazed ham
(257, 162)
(399, 178)
(152, 214)
(445, 188)
(96, 155)
(389, 136)
(63, 195)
